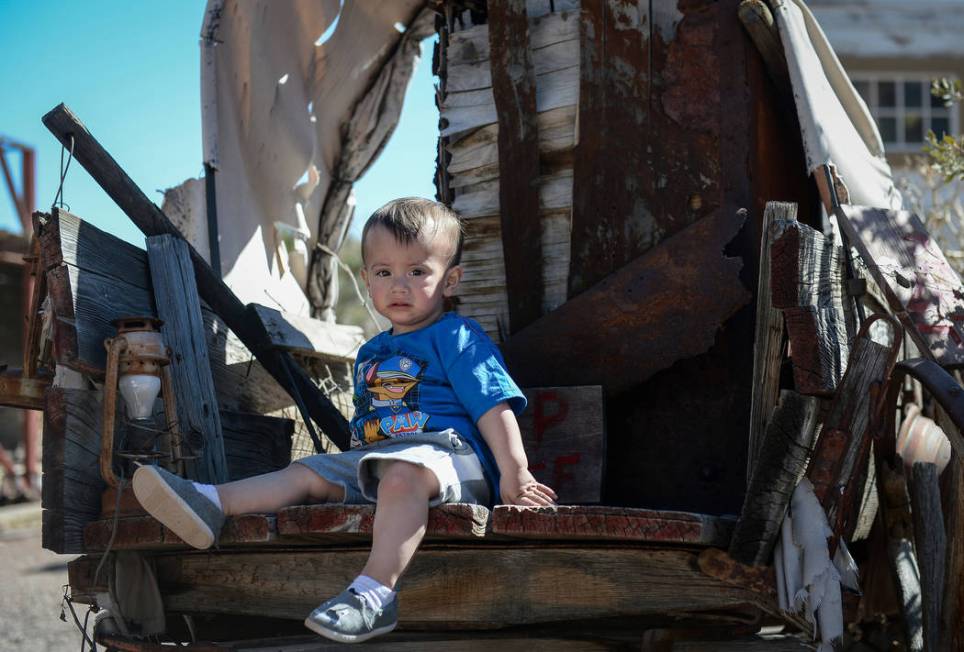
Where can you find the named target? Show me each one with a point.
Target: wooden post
(514, 89)
(781, 461)
(175, 296)
(931, 544)
(808, 285)
(767, 351)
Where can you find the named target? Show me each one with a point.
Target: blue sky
(130, 72)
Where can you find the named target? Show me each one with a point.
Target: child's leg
(296, 484)
(401, 515)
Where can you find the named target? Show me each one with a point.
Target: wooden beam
(151, 221)
(146, 533)
(809, 286)
(625, 582)
(352, 523)
(768, 340)
(601, 523)
(842, 449)
(514, 89)
(931, 545)
(175, 295)
(311, 337)
(664, 306)
(783, 455)
(952, 619)
(759, 24)
(20, 392)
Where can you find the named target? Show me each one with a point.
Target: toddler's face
(408, 282)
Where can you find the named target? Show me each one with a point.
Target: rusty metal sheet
(664, 306)
(648, 159)
(514, 90)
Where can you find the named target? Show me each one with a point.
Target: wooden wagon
(617, 165)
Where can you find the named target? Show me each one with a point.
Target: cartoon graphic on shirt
(391, 397)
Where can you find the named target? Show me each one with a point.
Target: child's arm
(500, 430)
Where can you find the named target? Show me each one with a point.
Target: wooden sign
(564, 437)
(923, 290)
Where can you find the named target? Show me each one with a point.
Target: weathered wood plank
(585, 340)
(352, 523)
(601, 523)
(145, 533)
(564, 436)
(72, 484)
(289, 584)
(513, 85)
(768, 339)
(923, 290)
(843, 445)
(178, 305)
(782, 459)
(931, 545)
(88, 289)
(311, 337)
(808, 285)
(255, 444)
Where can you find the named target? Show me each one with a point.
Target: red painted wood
(348, 522)
(603, 523)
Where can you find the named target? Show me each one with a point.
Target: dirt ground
(31, 588)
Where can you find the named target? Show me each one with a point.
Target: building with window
(892, 51)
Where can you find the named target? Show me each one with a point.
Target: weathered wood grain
(351, 523)
(781, 461)
(178, 305)
(601, 523)
(72, 484)
(922, 289)
(255, 444)
(514, 88)
(563, 432)
(146, 533)
(629, 582)
(808, 285)
(768, 338)
(952, 619)
(311, 337)
(586, 340)
(931, 545)
(842, 448)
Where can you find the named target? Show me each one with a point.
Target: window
(904, 109)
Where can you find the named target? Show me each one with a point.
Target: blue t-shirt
(446, 375)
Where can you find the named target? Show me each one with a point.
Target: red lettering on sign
(560, 474)
(542, 418)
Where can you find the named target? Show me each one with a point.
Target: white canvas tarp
(836, 126)
(297, 97)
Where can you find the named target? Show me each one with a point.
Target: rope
(59, 198)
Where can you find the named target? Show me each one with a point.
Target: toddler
(435, 422)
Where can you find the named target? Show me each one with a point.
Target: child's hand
(521, 488)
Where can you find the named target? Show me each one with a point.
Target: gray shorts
(445, 453)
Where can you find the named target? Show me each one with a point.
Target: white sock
(376, 593)
(210, 492)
